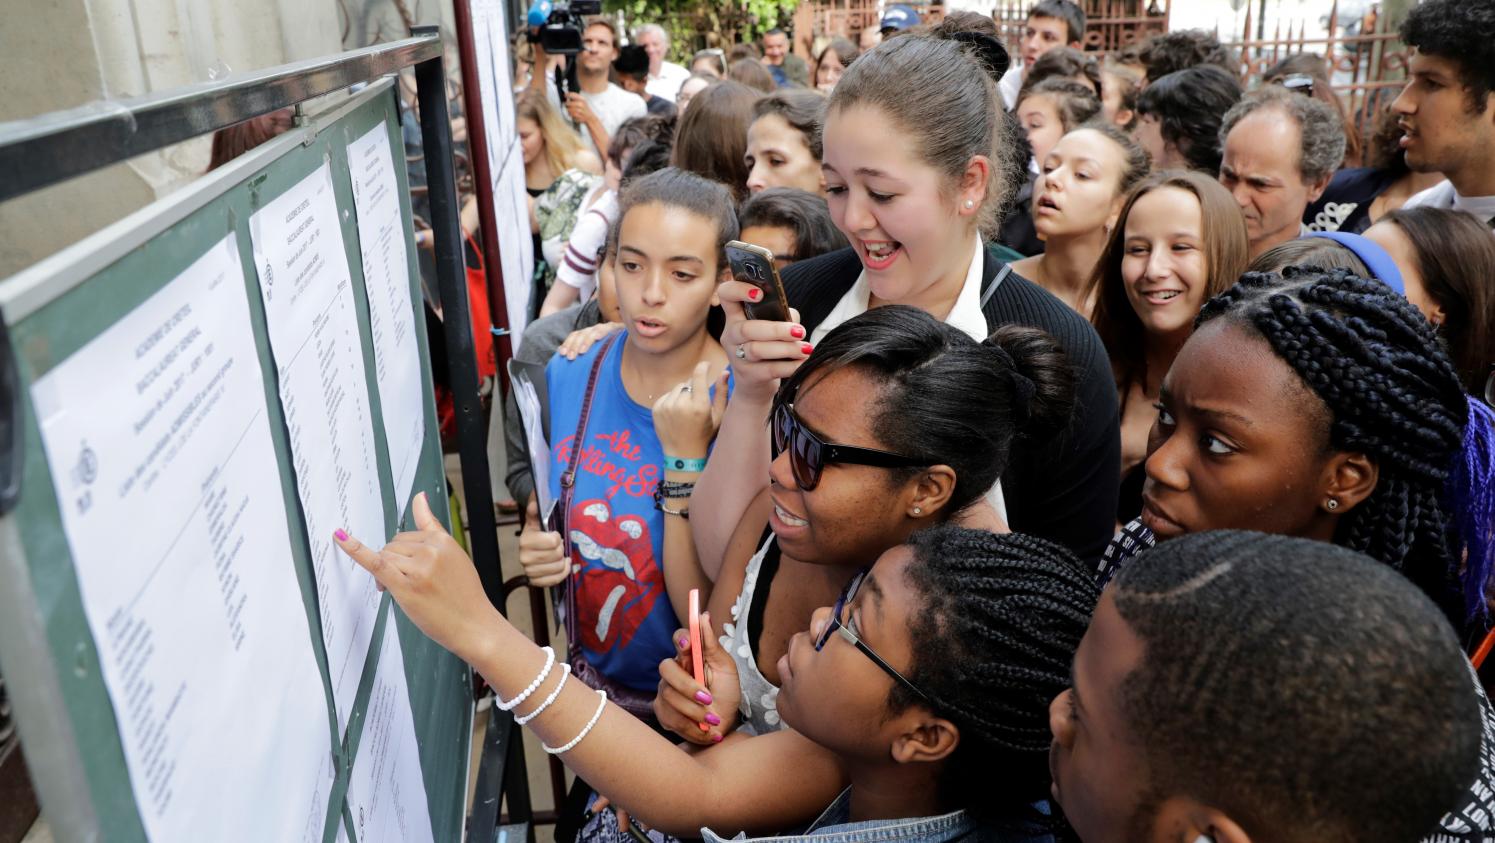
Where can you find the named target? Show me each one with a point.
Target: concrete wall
(64, 53)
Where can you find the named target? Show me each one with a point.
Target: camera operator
(594, 104)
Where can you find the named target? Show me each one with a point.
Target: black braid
(1004, 616)
(1392, 394)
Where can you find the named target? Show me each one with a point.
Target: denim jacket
(832, 827)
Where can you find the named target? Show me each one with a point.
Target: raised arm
(761, 352)
(685, 420)
(766, 783)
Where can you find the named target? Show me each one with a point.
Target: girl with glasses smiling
(919, 711)
(895, 423)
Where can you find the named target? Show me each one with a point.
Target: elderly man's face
(654, 44)
(1260, 169)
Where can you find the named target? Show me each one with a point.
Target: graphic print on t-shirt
(624, 618)
(620, 579)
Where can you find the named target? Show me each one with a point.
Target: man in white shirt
(600, 107)
(1447, 110)
(665, 78)
(1051, 23)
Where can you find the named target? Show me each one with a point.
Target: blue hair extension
(1471, 493)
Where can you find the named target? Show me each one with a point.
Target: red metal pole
(477, 148)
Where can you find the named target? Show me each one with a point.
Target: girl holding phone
(895, 423)
(919, 698)
(915, 159)
(671, 228)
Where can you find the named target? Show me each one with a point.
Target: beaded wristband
(601, 704)
(660, 505)
(510, 705)
(684, 464)
(672, 489)
(565, 672)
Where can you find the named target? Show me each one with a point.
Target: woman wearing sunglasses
(918, 705)
(895, 423)
(916, 158)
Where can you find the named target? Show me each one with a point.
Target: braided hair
(1392, 393)
(1003, 616)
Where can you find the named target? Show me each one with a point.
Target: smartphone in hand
(697, 666)
(754, 265)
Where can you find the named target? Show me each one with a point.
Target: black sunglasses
(835, 625)
(809, 454)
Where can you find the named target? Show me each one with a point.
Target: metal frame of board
(52, 148)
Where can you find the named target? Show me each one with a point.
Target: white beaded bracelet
(565, 671)
(601, 704)
(510, 705)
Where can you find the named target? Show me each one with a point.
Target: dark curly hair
(1391, 392)
(945, 398)
(803, 213)
(1458, 30)
(1173, 51)
(1003, 616)
(1190, 105)
(1296, 686)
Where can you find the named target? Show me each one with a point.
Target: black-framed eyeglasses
(835, 625)
(809, 454)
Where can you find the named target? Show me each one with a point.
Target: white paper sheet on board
(488, 95)
(314, 337)
(386, 793)
(501, 65)
(386, 276)
(515, 241)
(158, 438)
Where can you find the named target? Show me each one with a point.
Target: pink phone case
(695, 637)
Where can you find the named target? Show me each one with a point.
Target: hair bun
(1041, 377)
(985, 49)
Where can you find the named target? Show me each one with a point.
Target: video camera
(560, 24)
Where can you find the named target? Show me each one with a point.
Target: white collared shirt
(1011, 83)
(667, 83)
(1443, 195)
(966, 315)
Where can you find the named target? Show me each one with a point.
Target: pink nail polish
(340, 535)
(713, 719)
(704, 727)
(703, 697)
(755, 294)
(716, 738)
(797, 332)
(806, 348)
(682, 642)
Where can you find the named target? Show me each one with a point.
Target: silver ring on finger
(741, 351)
(685, 388)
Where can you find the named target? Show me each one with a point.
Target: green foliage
(696, 24)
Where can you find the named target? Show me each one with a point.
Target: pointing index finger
(367, 558)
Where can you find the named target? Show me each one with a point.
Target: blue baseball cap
(1370, 253)
(899, 17)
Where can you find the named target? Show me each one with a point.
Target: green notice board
(68, 718)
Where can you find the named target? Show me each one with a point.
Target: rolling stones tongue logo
(619, 578)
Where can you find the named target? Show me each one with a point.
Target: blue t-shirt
(623, 614)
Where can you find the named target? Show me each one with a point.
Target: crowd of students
(1124, 471)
